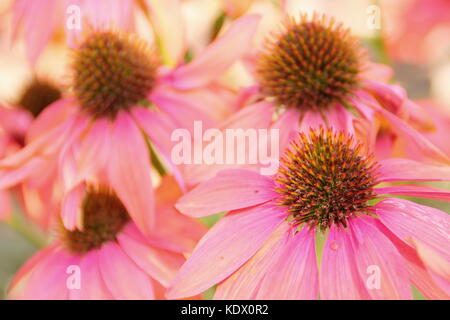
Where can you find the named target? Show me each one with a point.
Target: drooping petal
(48, 279)
(108, 14)
(284, 269)
(339, 277)
(424, 228)
(380, 265)
(160, 264)
(410, 170)
(173, 230)
(159, 128)
(92, 285)
(183, 112)
(71, 213)
(222, 193)
(414, 141)
(288, 124)
(218, 57)
(419, 275)
(124, 279)
(129, 172)
(39, 20)
(226, 247)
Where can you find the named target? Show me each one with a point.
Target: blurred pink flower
(265, 247)
(416, 31)
(114, 108)
(110, 257)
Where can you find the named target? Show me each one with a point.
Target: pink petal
(52, 116)
(414, 141)
(159, 127)
(340, 119)
(108, 14)
(390, 96)
(284, 269)
(47, 280)
(44, 145)
(339, 278)
(410, 170)
(226, 247)
(182, 111)
(218, 57)
(311, 120)
(416, 224)
(378, 72)
(419, 275)
(30, 264)
(95, 150)
(10, 178)
(168, 23)
(131, 180)
(374, 250)
(222, 193)
(92, 286)
(255, 116)
(421, 191)
(173, 230)
(159, 264)
(288, 124)
(71, 212)
(39, 20)
(124, 279)
(438, 265)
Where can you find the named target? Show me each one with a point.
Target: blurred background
(412, 36)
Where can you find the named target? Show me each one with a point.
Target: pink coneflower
(121, 99)
(14, 124)
(110, 257)
(265, 247)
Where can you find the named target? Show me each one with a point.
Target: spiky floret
(112, 71)
(103, 216)
(310, 63)
(323, 179)
(37, 95)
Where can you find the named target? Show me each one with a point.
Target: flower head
(324, 180)
(264, 248)
(311, 64)
(121, 100)
(110, 257)
(112, 72)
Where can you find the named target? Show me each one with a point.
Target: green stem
(19, 224)
(156, 161)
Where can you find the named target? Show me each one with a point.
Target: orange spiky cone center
(323, 179)
(112, 72)
(313, 63)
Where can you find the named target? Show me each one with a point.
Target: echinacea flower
(376, 247)
(121, 99)
(314, 73)
(14, 124)
(109, 258)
